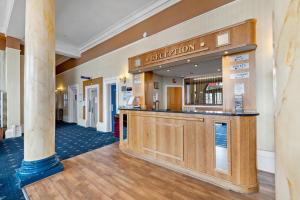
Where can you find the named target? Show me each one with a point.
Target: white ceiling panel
(82, 24)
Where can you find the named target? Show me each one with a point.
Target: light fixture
(168, 70)
(188, 60)
(226, 52)
(196, 65)
(219, 70)
(145, 34)
(160, 66)
(123, 79)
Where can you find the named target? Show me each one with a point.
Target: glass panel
(221, 146)
(125, 127)
(204, 90)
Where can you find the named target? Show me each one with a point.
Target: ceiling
(82, 24)
(191, 67)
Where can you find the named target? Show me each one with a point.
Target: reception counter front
(216, 147)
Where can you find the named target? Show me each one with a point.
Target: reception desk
(216, 147)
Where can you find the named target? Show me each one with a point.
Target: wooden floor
(107, 173)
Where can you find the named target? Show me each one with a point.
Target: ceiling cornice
(129, 21)
(66, 49)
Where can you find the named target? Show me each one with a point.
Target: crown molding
(66, 49)
(129, 21)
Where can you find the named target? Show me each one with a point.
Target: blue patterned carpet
(71, 140)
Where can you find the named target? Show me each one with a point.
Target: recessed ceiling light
(219, 70)
(188, 60)
(226, 52)
(196, 65)
(168, 70)
(159, 66)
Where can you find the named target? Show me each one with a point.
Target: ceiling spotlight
(188, 60)
(160, 66)
(196, 65)
(168, 70)
(226, 52)
(219, 70)
(145, 34)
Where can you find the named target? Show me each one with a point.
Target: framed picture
(156, 85)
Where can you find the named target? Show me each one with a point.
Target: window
(204, 90)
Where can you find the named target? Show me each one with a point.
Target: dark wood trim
(178, 13)
(13, 43)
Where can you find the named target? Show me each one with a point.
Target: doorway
(113, 103)
(92, 107)
(72, 104)
(174, 98)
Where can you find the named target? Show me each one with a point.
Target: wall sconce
(123, 79)
(59, 89)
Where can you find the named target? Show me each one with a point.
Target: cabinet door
(134, 128)
(195, 146)
(169, 140)
(149, 136)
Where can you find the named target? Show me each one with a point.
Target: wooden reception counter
(216, 147)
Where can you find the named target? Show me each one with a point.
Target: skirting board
(266, 161)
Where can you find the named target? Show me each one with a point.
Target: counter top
(195, 112)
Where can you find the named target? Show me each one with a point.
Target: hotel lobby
(149, 99)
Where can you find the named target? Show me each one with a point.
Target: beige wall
(286, 76)
(2, 71)
(12, 67)
(115, 63)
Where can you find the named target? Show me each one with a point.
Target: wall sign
(240, 75)
(212, 42)
(223, 39)
(239, 89)
(238, 58)
(240, 66)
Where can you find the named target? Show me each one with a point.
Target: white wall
(12, 67)
(2, 71)
(116, 63)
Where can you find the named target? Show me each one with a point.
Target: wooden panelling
(13, 43)
(107, 173)
(143, 88)
(241, 36)
(195, 140)
(149, 89)
(2, 42)
(99, 82)
(186, 143)
(249, 96)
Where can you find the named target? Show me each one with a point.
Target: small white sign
(240, 75)
(137, 62)
(239, 89)
(239, 58)
(223, 39)
(240, 66)
(137, 79)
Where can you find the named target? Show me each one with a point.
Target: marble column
(40, 159)
(287, 98)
